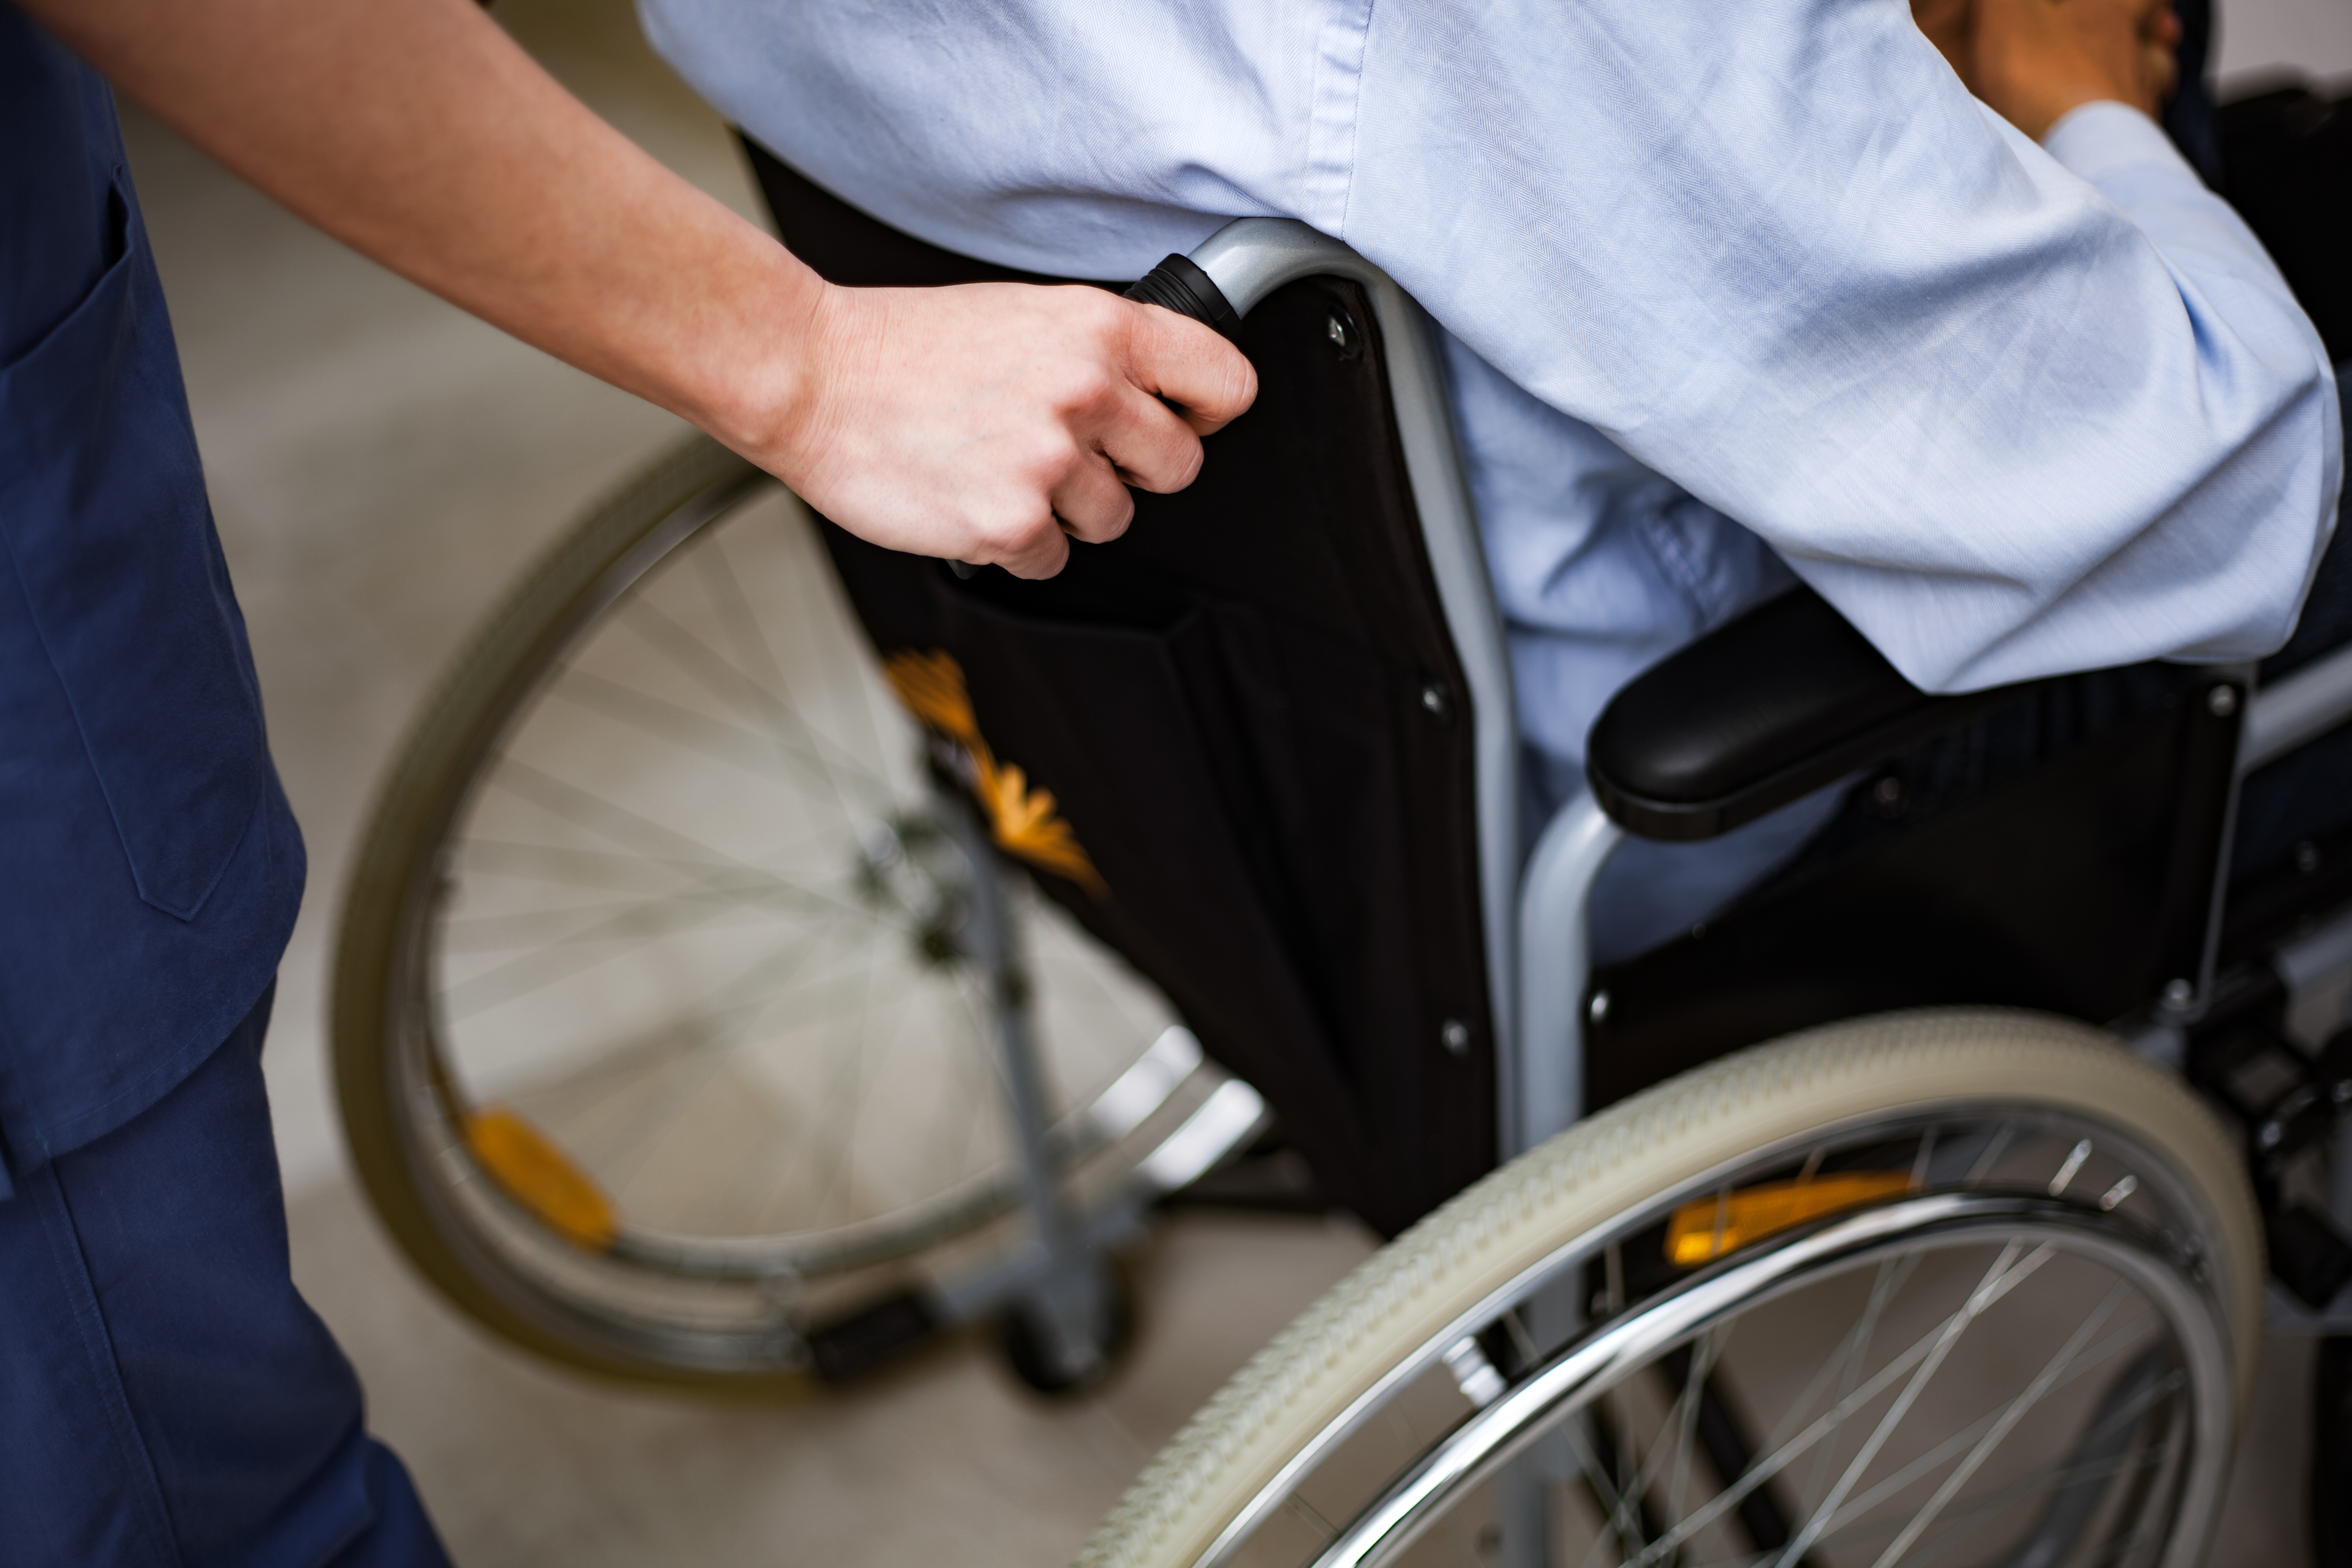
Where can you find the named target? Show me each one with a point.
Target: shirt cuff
(2105, 139)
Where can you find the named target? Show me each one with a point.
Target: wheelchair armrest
(1758, 713)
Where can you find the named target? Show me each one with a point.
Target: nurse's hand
(994, 422)
(2035, 61)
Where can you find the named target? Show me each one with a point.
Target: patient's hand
(2033, 61)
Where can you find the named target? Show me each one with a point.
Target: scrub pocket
(105, 522)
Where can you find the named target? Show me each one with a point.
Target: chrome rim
(2015, 1360)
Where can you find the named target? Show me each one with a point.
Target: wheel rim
(689, 926)
(1893, 1379)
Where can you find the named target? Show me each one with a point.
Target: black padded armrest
(1753, 715)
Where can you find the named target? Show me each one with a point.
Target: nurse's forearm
(979, 422)
(418, 133)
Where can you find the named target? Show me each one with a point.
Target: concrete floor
(382, 468)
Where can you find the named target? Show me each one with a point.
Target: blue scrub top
(150, 867)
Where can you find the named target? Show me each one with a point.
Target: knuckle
(1100, 310)
(1048, 459)
(1082, 386)
(1009, 534)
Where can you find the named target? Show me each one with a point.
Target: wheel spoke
(614, 1156)
(1964, 1521)
(850, 1077)
(753, 750)
(1684, 1416)
(1998, 1282)
(2005, 1419)
(1623, 1512)
(558, 924)
(616, 824)
(579, 952)
(750, 636)
(1860, 1506)
(1891, 1274)
(1830, 1421)
(1306, 1514)
(572, 865)
(718, 675)
(1992, 1155)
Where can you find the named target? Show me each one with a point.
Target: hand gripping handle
(1181, 287)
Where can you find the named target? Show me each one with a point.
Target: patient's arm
(953, 422)
(2013, 409)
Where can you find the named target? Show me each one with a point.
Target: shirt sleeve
(2014, 409)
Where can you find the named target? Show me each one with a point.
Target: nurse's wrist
(754, 386)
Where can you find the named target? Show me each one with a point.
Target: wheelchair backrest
(1251, 714)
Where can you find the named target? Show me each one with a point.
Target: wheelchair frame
(1536, 888)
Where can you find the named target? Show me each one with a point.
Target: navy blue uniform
(166, 1397)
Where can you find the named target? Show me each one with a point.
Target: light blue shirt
(2013, 409)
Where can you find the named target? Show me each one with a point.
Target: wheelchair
(719, 1002)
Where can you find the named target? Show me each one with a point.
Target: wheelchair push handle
(1231, 272)
(1180, 286)
(1177, 284)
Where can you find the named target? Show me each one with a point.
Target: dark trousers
(166, 1396)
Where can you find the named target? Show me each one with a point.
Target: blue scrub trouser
(166, 1396)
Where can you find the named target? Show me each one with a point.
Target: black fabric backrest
(1250, 712)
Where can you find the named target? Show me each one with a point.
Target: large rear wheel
(661, 1037)
(1938, 1288)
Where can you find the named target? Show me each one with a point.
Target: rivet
(1342, 333)
(1435, 699)
(1598, 1008)
(2221, 701)
(1455, 1036)
(2179, 993)
(2307, 857)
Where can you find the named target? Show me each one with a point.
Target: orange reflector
(530, 1168)
(1709, 1227)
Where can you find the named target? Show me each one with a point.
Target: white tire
(1413, 1297)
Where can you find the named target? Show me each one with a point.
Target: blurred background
(382, 468)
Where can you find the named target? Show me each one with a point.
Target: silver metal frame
(1250, 258)
(1539, 1090)
(2304, 706)
(2279, 718)
(1555, 962)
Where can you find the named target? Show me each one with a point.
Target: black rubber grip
(1184, 289)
